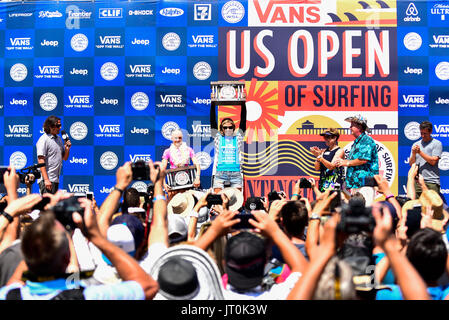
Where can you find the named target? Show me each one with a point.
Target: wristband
(194, 214)
(389, 196)
(118, 189)
(7, 216)
(295, 194)
(159, 197)
(319, 157)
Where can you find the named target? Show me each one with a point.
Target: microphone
(64, 136)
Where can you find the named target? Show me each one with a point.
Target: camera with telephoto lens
(355, 218)
(64, 209)
(31, 172)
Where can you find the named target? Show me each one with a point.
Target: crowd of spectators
(272, 247)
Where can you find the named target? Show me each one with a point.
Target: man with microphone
(51, 150)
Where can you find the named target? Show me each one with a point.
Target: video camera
(355, 218)
(31, 172)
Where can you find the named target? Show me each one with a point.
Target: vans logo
(203, 39)
(171, 98)
(413, 98)
(442, 128)
(20, 41)
(49, 69)
(110, 39)
(109, 128)
(19, 128)
(441, 39)
(79, 99)
(78, 187)
(201, 128)
(140, 68)
(143, 157)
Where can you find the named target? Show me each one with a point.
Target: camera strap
(147, 227)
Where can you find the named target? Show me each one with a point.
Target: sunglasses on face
(225, 128)
(57, 126)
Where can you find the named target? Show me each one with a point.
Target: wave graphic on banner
(279, 153)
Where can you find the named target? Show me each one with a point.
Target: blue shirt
(364, 148)
(435, 293)
(126, 290)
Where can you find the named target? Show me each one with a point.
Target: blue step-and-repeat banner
(123, 74)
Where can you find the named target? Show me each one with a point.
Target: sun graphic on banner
(261, 111)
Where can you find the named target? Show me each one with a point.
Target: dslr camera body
(64, 209)
(355, 218)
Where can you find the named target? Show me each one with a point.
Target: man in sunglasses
(51, 150)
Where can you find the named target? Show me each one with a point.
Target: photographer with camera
(46, 251)
(246, 255)
(51, 150)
